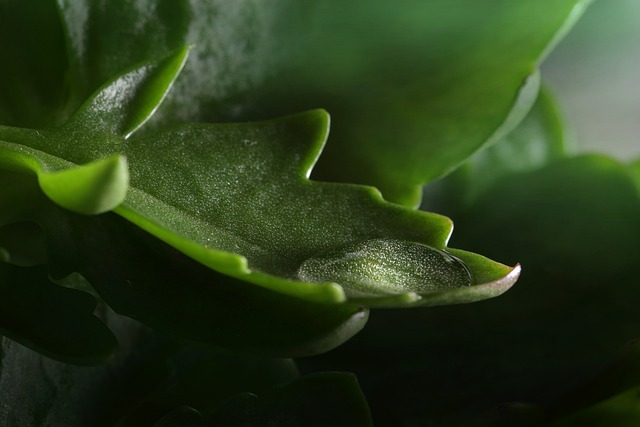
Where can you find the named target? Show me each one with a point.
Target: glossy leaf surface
(235, 197)
(456, 80)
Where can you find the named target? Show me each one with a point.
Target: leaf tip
(91, 189)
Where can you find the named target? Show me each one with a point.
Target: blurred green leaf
(96, 187)
(458, 74)
(459, 77)
(538, 140)
(574, 226)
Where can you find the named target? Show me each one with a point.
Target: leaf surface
(462, 73)
(234, 197)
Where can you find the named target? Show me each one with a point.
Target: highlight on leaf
(237, 197)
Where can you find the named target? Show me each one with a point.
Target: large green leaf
(538, 140)
(457, 79)
(144, 278)
(414, 94)
(237, 198)
(574, 226)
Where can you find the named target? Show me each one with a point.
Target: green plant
(160, 163)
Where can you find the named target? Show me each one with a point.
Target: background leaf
(461, 86)
(538, 140)
(236, 197)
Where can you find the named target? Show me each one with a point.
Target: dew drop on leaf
(387, 266)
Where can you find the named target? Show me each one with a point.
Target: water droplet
(387, 266)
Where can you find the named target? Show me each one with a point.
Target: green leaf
(144, 278)
(449, 89)
(460, 75)
(124, 104)
(236, 197)
(95, 188)
(538, 140)
(116, 111)
(104, 39)
(50, 319)
(574, 226)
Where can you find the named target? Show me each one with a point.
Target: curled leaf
(94, 188)
(237, 197)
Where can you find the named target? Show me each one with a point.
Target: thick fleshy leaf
(574, 226)
(458, 75)
(118, 109)
(237, 197)
(142, 277)
(97, 187)
(53, 320)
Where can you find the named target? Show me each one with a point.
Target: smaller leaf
(50, 319)
(123, 105)
(94, 188)
(539, 139)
